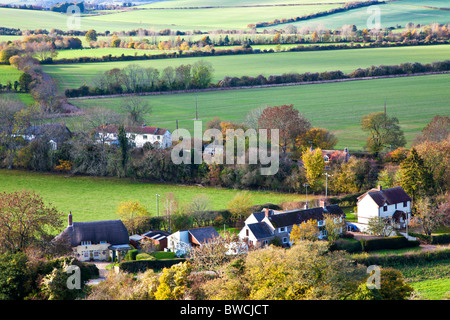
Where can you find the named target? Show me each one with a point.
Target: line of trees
(133, 79)
(347, 6)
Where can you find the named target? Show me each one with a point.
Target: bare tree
(135, 109)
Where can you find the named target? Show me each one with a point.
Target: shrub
(144, 256)
(348, 246)
(131, 255)
(388, 243)
(143, 265)
(440, 239)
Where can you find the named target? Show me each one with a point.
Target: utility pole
(306, 186)
(157, 204)
(326, 184)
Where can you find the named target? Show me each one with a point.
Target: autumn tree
(131, 213)
(384, 132)
(392, 287)
(316, 138)
(287, 120)
(240, 205)
(25, 219)
(428, 215)
(437, 130)
(174, 282)
(334, 227)
(307, 230)
(91, 35)
(315, 165)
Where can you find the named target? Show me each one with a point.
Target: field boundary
(256, 87)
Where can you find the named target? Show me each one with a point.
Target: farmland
(74, 75)
(317, 102)
(81, 194)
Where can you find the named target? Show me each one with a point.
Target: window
(282, 229)
(285, 240)
(144, 137)
(103, 242)
(385, 208)
(246, 232)
(321, 223)
(158, 137)
(405, 204)
(86, 243)
(396, 206)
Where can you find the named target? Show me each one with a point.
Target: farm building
(182, 241)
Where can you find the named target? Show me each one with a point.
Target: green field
(100, 52)
(338, 107)
(9, 73)
(92, 198)
(392, 14)
(204, 19)
(74, 75)
(435, 289)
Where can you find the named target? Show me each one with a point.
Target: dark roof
(296, 216)
(387, 196)
(157, 235)
(398, 214)
(113, 232)
(259, 216)
(260, 230)
(203, 235)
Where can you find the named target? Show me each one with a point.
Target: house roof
(113, 232)
(156, 235)
(203, 235)
(387, 196)
(296, 216)
(260, 230)
(133, 129)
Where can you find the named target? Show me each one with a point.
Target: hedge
(143, 265)
(414, 258)
(387, 243)
(433, 239)
(373, 244)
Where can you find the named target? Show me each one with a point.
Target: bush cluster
(144, 265)
(414, 258)
(368, 245)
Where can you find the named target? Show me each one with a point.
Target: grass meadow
(94, 198)
(74, 75)
(392, 14)
(337, 107)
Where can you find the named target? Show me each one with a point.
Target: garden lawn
(338, 107)
(93, 198)
(74, 75)
(435, 289)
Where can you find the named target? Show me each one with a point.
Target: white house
(391, 203)
(158, 137)
(182, 241)
(262, 227)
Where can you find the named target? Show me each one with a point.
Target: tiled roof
(291, 217)
(387, 196)
(203, 235)
(260, 230)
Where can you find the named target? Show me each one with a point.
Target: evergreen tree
(416, 178)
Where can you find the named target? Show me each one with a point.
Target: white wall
(367, 208)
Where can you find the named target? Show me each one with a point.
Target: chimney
(322, 203)
(379, 187)
(267, 212)
(306, 206)
(70, 220)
